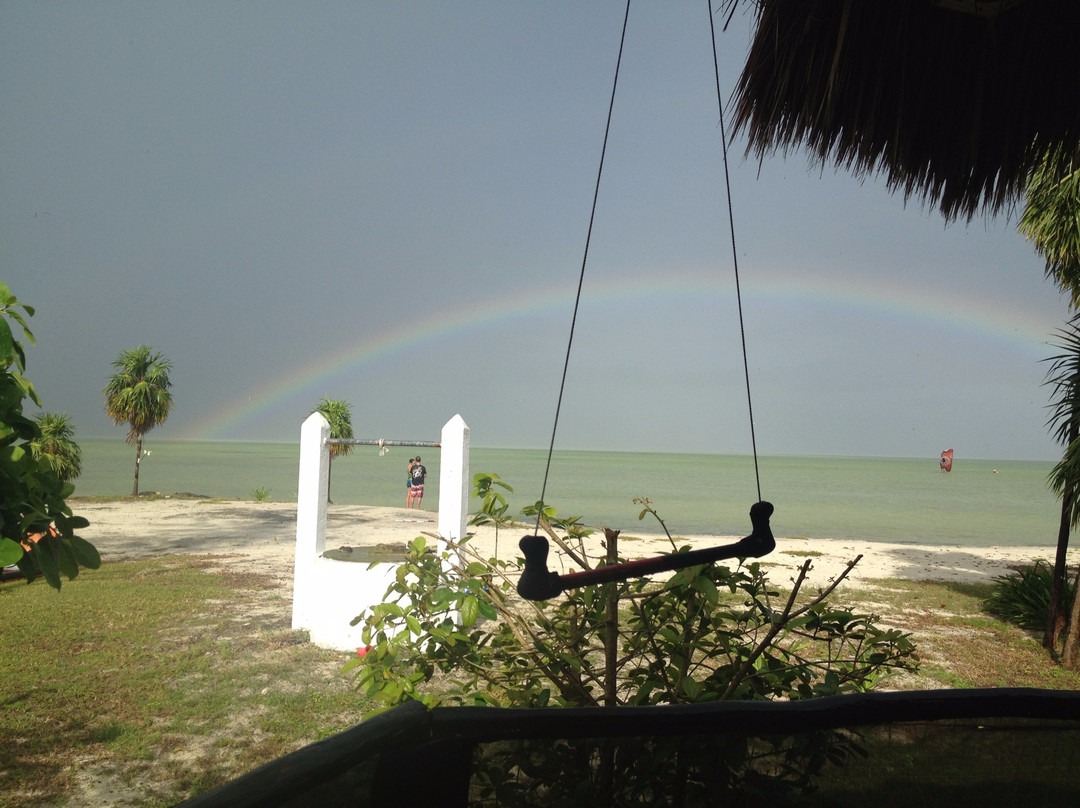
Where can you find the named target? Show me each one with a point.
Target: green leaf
(470, 610)
(670, 634)
(73, 522)
(7, 344)
(442, 595)
(691, 687)
(14, 315)
(65, 559)
(418, 545)
(10, 552)
(487, 611)
(85, 553)
(707, 588)
(47, 564)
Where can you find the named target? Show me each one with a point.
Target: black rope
(584, 260)
(588, 240)
(734, 252)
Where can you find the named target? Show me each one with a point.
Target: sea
(907, 500)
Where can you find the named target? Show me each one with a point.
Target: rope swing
(536, 582)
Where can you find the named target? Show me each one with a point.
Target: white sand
(261, 536)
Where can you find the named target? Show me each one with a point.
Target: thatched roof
(953, 100)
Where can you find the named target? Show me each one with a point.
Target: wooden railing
(973, 745)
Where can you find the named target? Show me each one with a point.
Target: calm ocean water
(882, 499)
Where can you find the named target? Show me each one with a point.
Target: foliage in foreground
(32, 494)
(451, 630)
(709, 633)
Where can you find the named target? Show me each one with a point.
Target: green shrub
(1023, 597)
(452, 631)
(32, 495)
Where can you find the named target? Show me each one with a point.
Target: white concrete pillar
(454, 481)
(313, 488)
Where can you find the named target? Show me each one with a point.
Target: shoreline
(261, 536)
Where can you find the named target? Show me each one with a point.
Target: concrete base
(344, 589)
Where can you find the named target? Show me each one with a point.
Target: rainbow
(1020, 330)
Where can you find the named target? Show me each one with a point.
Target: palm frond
(338, 415)
(138, 393)
(56, 445)
(1051, 219)
(1063, 377)
(956, 109)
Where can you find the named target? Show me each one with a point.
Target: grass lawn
(147, 682)
(959, 644)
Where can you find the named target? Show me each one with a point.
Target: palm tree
(1064, 378)
(339, 415)
(1051, 219)
(56, 445)
(138, 395)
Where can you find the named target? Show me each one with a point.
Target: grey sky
(388, 202)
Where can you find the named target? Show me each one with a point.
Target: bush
(1023, 597)
(452, 631)
(32, 494)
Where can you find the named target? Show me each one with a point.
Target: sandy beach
(261, 536)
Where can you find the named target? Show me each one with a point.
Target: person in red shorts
(417, 475)
(408, 482)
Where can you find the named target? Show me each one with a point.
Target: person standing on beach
(417, 475)
(408, 481)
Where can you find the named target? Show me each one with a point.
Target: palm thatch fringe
(953, 108)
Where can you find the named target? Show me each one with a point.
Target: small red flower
(363, 652)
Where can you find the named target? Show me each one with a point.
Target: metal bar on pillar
(371, 442)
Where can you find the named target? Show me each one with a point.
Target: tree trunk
(1070, 657)
(606, 784)
(329, 471)
(611, 618)
(1055, 619)
(138, 460)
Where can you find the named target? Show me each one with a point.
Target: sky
(389, 203)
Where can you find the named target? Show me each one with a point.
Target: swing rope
(734, 252)
(588, 239)
(584, 260)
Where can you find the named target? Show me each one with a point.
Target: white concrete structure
(454, 481)
(328, 594)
